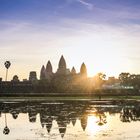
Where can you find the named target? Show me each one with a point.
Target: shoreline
(71, 98)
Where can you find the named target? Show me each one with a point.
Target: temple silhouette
(69, 82)
(47, 73)
(62, 81)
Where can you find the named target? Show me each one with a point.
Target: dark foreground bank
(98, 93)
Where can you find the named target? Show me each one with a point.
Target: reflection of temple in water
(84, 121)
(65, 113)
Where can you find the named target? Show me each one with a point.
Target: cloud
(25, 41)
(87, 4)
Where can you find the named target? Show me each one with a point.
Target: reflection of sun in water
(92, 126)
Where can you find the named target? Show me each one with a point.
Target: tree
(124, 78)
(99, 79)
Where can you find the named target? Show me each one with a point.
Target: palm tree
(6, 130)
(7, 65)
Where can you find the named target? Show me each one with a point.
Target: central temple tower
(62, 68)
(62, 64)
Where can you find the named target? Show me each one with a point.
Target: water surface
(69, 120)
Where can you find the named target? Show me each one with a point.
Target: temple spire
(49, 67)
(49, 71)
(83, 70)
(62, 63)
(73, 71)
(42, 73)
(62, 68)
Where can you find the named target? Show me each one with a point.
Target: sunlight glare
(92, 126)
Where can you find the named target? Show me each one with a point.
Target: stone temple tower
(43, 73)
(83, 70)
(49, 70)
(62, 68)
(62, 63)
(73, 71)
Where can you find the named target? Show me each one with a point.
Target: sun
(100, 55)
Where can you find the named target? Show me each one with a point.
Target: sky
(105, 34)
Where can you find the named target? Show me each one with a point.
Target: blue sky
(103, 33)
(51, 10)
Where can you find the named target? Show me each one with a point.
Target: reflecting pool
(69, 120)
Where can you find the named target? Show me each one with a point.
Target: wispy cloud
(87, 4)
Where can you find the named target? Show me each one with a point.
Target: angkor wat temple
(62, 81)
(47, 73)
